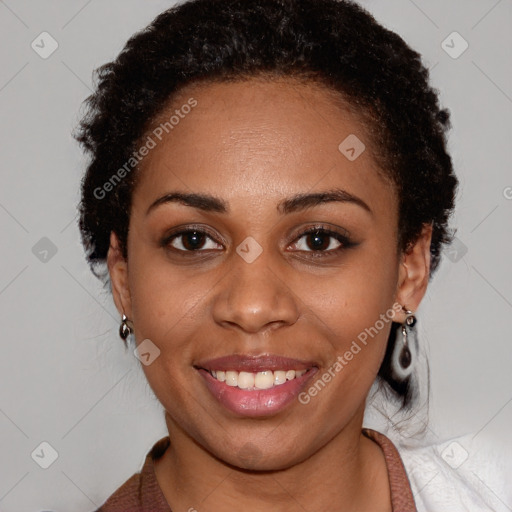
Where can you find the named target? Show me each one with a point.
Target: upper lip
(239, 362)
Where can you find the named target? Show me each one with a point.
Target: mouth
(255, 385)
(252, 381)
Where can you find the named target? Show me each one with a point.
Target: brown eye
(191, 240)
(319, 240)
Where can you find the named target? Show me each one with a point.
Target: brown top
(142, 493)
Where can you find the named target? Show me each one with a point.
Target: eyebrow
(297, 203)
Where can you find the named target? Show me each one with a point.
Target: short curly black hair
(335, 42)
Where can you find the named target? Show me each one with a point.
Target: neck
(347, 474)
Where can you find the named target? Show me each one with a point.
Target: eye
(190, 240)
(321, 240)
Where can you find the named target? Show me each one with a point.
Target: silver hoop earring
(404, 351)
(125, 329)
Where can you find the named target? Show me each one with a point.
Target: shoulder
(126, 497)
(141, 490)
(402, 497)
(462, 473)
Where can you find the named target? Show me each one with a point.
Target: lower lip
(264, 402)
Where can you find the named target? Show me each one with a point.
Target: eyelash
(314, 230)
(326, 232)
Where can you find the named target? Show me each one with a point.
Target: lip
(255, 403)
(247, 363)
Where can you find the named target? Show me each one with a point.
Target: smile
(255, 386)
(261, 380)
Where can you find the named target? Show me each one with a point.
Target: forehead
(255, 140)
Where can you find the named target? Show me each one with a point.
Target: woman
(270, 190)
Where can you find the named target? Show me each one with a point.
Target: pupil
(193, 240)
(318, 241)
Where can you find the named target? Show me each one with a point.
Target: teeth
(279, 377)
(264, 380)
(232, 378)
(261, 380)
(245, 380)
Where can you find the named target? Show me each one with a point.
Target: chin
(250, 457)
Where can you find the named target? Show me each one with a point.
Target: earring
(404, 352)
(124, 329)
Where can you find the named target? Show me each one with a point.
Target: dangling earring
(125, 329)
(404, 352)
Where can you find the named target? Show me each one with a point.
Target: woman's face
(251, 293)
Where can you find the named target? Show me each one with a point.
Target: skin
(254, 144)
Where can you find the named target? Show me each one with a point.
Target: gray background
(66, 378)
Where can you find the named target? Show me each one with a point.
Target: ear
(118, 270)
(414, 272)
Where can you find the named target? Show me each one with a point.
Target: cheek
(354, 296)
(166, 309)
(355, 330)
(353, 310)
(165, 299)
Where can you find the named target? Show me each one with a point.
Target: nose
(254, 297)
